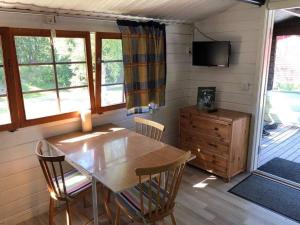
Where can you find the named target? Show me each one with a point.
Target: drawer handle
(198, 150)
(193, 126)
(216, 128)
(212, 145)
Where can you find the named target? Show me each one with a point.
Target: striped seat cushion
(75, 182)
(131, 197)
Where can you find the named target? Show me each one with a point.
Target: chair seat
(131, 198)
(75, 182)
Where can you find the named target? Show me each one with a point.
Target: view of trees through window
(53, 75)
(4, 108)
(112, 74)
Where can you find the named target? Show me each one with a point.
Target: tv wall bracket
(255, 2)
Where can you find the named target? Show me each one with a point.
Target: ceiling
(187, 10)
(281, 15)
(285, 14)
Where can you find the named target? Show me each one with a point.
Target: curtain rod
(107, 17)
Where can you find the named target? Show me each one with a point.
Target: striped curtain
(144, 56)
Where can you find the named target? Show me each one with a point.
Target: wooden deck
(283, 142)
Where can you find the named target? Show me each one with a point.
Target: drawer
(210, 166)
(205, 143)
(185, 123)
(184, 114)
(206, 157)
(207, 160)
(213, 128)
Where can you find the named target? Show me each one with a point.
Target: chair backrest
(161, 187)
(53, 171)
(149, 128)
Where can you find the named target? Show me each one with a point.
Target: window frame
(9, 79)
(19, 94)
(98, 63)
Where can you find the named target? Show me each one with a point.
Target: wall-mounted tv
(211, 53)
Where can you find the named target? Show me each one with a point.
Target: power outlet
(188, 51)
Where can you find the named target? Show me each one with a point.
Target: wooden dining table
(110, 154)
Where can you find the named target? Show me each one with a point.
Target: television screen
(211, 53)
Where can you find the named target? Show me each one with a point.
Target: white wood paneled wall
(22, 188)
(242, 25)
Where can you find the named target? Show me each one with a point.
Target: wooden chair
(63, 187)
(153, 198)
(145, 127)
(149, 128)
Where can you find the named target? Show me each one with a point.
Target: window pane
(112, 49)
(93, 47)
(70, 75)
(33, 50)
(286, 66)
(69, 49)
(74, 99)
(41, 104)
(1, 57)
(111, 95)
(2, 82)
(37, 77)
(112, 73)
(4, 111)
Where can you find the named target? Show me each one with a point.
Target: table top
(111, 154)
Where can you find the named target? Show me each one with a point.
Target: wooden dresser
(219, 139)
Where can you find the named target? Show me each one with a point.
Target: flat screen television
(211, 53)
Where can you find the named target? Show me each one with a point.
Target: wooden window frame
(9, 79)
(98, 43)
(23, 122)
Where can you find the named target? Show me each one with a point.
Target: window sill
(101, 110)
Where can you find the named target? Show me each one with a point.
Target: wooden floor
(203, 200)
(283, 142)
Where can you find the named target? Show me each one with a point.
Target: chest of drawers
(219, 140)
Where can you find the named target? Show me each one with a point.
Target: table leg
(95, 200)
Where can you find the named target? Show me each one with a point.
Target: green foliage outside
(292, 87)
(40, 77)
(38, 50)
(32, 50)
(2, 82)
(1, 56)
(2, 78)
(112, 71)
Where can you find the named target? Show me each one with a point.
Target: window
(47, 76)
(8, 109)
(55, 74)
(109, 72)
(4, 106)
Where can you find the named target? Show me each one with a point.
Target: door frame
(263, 69)
(264, 60)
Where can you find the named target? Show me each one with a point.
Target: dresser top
(221, 114)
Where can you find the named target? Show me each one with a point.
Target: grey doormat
(272, 195)
(283, 168)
